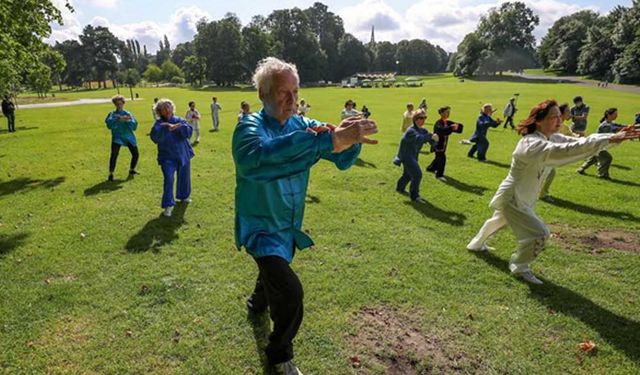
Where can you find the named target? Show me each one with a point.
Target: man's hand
(124, 118)
(435, 137)
(170, 126)
(351, 131)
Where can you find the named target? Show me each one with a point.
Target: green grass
(72, 305)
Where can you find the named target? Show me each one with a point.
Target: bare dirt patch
(598, 242)
(390, 342)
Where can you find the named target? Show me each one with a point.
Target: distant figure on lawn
(303, 108)
(245, 109)
(349, 110)
(423, 105)
(154, 114)
(407, 117)
(122, 125)
(604, 158)
(273, 151)
(193, 118)
(510, 111)
(410, 145)
(479, 137)
(579, 114)
(365, 112)
(514, 202)
(171, 134)
(9, 111)
(215, 113)
(443, 128)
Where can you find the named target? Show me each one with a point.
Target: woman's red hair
(537, 113)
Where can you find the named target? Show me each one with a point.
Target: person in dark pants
(410, 145)
(443, 128)
(479, 137)
(273, 151)
(510, 111)
(604, 158)
(122, 125)
(9, 111)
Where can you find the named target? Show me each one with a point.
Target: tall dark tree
(385, 57)
(329, 29)
(219, 44)
(181, 52)
(101, 48)
(256, 46)
(352, 56)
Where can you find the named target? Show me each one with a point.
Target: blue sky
(443, 22)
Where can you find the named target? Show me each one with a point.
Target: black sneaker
(110, 178)
(133, 172)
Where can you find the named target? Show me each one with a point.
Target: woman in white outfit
(514, 202)
(193, 118)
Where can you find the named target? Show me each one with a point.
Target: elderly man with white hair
(273, 151)
(171, 133)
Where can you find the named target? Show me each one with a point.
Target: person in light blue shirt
(273, 151)
(479, 137)
(122, 125)
(171, 133)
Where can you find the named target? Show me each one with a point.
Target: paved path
(63, 104)
(580, 81)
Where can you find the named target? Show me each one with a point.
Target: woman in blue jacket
(122, 125)
(171, 134)
(479, 137)
(410, 145)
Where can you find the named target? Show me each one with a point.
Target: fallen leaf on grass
(82, 236)
(128, 333)
(355, 361)
(587, 346)
(47, 281)
(176, 336)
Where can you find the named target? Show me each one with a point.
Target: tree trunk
(131, 91)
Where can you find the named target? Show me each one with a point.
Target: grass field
(94, 281)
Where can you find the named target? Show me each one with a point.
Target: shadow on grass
(620, 332)
(623, 167)
(312, 199)
(105, 187)
(497, 164)
(463, 186)
(620, 215)
(619, 182)
(429, 210)
(158, 232)
(11, 242)
(365, 164)
(24, 183)
(20, 128)
(261, 327)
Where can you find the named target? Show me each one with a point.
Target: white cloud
(440, 23)
(181, 27)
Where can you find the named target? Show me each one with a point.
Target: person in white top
(349, 110)
(193, 118)
(153, 110)
(407, 117)
(215, 109)
(303, 108)
(514, 202)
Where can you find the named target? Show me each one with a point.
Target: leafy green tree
(257, 44)
(353, 56)
(153, 73)
(101, 50)
(194, 69)
(170, 70)
(219, 44)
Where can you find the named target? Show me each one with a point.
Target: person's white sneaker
(529, 277)
(442, 178)
(289, 368)
(167, 211)
(482, 248)
(188, 200)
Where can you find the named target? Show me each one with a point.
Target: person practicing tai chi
(171, 134)
(154, 114)
(443, 128)
(407, 117)
(303, 108)
(274, 150)
(479, 137)
(9, 111)
(579, 114)
(349, 110)
(550, 173)
(510, 111)
(604, 158)
(410, 145)
(514, 202)
(245, 109)
(215, 114)
(122, 125)
(193, 118)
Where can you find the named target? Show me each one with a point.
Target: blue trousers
(482, 146)
(169, 169)
(413, 174)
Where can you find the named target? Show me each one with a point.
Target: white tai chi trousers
(530, 231)
(216, 120)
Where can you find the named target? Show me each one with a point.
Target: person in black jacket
(8, 110)
(443, 128)
(410, 145)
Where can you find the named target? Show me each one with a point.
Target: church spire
(373, 37)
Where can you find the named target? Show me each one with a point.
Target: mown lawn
(94, 281)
